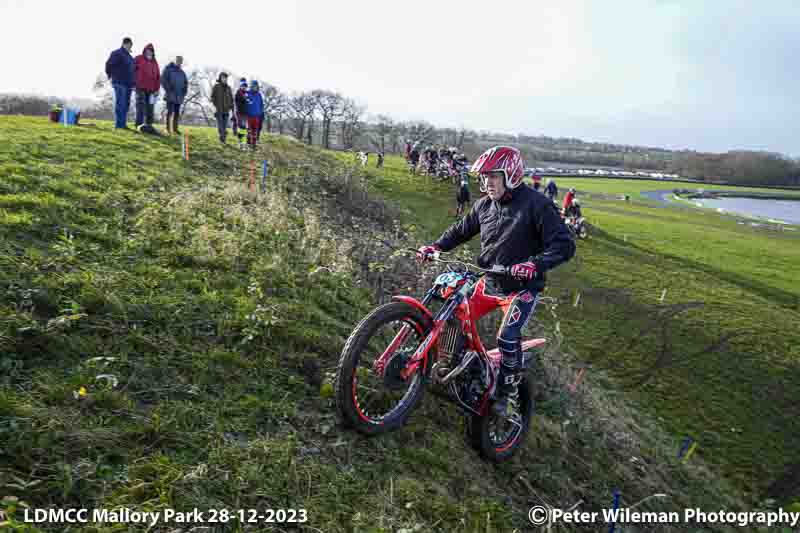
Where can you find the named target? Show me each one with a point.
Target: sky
(710, 75)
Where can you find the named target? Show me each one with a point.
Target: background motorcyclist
(568, 199)
(573, 210)
(518, 228)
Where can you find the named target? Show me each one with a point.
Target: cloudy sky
(702, 74)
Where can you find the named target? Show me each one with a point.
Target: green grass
(204, 301)
(635, 187)
(737, 401)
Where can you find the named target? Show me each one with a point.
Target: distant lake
(785, 210)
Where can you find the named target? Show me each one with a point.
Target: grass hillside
(167, 337)
(719, 358)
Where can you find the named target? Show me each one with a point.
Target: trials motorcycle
(402, 346)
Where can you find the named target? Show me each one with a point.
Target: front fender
(414, 303)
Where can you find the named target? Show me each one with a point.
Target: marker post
(616, 506)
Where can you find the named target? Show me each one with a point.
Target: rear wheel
(365, 400)
(498, 438)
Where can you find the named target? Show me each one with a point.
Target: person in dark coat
(175, 85)
(148, 85)
(241, 101)
(121, 70)
(222, 98)
(551, 190)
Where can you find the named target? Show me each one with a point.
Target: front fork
(379, 366)
(421, 354)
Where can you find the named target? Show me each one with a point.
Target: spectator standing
(380, 160)
(222, 98)
(148, 84)
(175, 85)
(121, 70)
(413, 156)
(462, 195)
(255, 114)
(241, 102)
(551, 190)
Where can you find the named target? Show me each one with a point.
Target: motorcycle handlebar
(495, 269)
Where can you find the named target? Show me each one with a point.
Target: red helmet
(505, 159)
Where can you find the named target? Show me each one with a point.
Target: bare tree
(421, 132)
(352, 124)
(273, 98)
(302, 107)
(382, 131)
(330, 105)
(280, 112)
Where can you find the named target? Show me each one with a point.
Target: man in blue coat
(175, 85)
(121, 70)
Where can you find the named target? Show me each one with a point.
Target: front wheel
(496, 438)
(370, 402)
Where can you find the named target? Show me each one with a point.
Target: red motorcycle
(402, 346)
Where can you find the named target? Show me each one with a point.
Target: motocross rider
(521, 229)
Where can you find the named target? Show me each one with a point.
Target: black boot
(507, 381)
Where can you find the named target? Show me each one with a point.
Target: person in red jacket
(567, 201)
(148, 83)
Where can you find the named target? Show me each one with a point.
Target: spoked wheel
(374, 400)
(498, 438)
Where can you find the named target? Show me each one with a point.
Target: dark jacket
(175, 83)
(242, 100)
(222, 97)
(525, 226)
(121, 68)
(148, 76)
(551, 189)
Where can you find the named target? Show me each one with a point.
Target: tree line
(333, 120)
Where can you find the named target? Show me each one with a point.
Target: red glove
(424, 252)
(523, 271)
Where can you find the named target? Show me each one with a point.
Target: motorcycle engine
(470, 386)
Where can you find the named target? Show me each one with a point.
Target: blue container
(70, 116)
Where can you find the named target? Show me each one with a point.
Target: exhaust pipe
(465, 362)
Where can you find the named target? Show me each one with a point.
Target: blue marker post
(616, 507)
(264, 177)
(684, 447)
